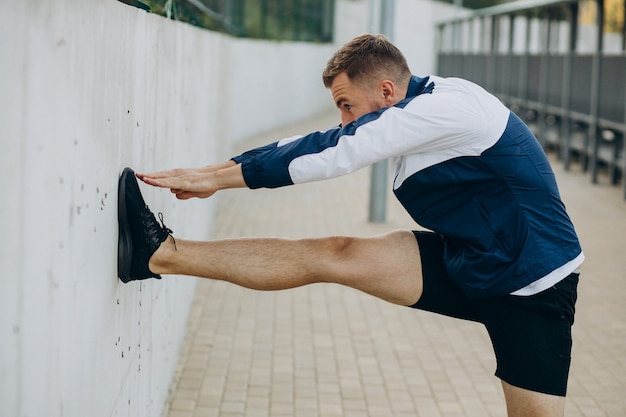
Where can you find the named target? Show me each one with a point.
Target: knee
(334, 258)
(342, 248)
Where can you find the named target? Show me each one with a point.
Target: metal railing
(559, 66)
(289, 20)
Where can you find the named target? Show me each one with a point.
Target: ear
(389, 92)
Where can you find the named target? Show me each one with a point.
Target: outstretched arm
(197, 182)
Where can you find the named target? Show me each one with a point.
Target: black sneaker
(140, 235)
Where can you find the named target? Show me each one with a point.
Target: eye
(348, 107)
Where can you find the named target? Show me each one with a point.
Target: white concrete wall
(415, 32)
(413, 28)
(89, 87)
(270, 84)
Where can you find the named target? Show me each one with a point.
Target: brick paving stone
(177, 413)
(326, 350)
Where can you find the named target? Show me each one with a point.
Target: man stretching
(502, 251)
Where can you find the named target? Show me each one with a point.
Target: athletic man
(503, 251)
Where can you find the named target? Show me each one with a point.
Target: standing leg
(532, 339)
(524, 403)
(386, 266)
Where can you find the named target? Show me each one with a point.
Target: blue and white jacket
(465, 167)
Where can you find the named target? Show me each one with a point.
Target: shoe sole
(124, 242)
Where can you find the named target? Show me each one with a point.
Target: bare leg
(524, 403)
(386, 266)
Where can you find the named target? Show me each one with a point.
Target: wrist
(231, 177)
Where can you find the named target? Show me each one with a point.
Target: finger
(147, 180)
(164, 174)
(162, 183)
(185, 195)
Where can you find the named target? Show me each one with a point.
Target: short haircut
(366, 60)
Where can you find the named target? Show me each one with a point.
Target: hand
(197, 182)
(185, 183)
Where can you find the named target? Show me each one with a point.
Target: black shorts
(531, 335)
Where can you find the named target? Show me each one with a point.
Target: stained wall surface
(87, 88)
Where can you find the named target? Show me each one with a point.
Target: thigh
(532, 338)
(385, 266)
(524, 403)
(439, 294)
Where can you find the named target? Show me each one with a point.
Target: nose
(346, 118)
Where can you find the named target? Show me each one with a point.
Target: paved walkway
(326, 350)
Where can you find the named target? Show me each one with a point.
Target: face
(354, 101)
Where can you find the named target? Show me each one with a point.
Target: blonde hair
(366, 60)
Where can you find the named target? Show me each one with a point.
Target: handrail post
(379, 174)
